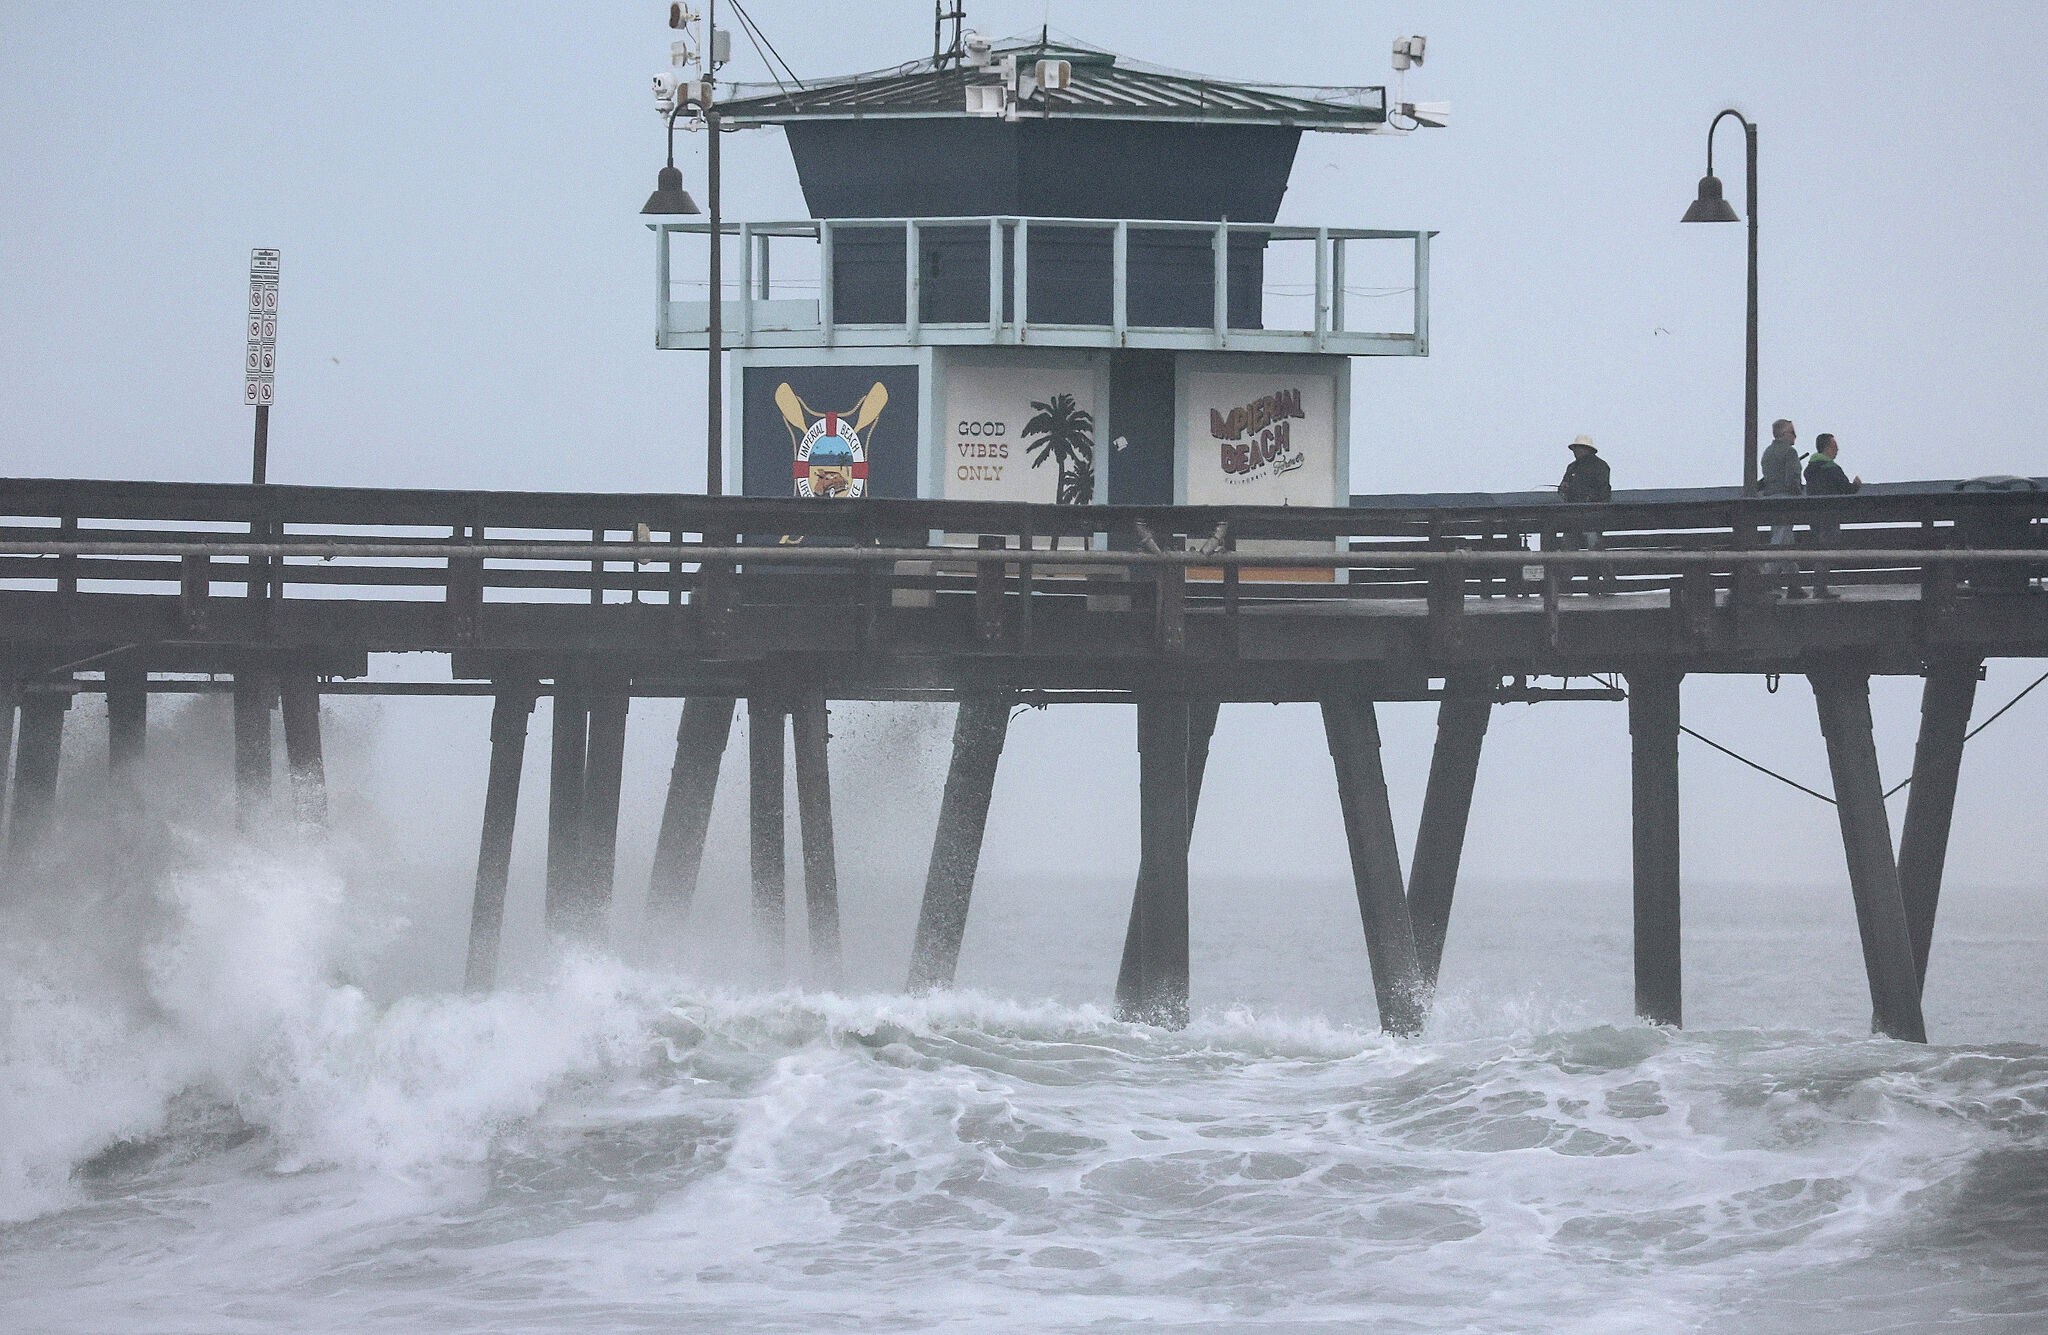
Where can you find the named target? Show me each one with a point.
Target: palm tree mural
(1063, 432)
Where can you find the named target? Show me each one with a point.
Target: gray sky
(466, 302)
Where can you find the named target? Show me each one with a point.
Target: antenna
(944, 11)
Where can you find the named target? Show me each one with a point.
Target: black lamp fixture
(669, 197)
(1711, 206)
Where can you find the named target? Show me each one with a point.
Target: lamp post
(669, 198)
(1711, 206)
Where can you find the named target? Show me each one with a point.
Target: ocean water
(238, 1094)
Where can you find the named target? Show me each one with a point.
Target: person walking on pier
(1587, 480)
(1824, 477)
(1780, 468)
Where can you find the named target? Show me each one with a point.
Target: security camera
(667, 85)
(980, 50)
(1408, 51)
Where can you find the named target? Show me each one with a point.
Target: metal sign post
(259, 385)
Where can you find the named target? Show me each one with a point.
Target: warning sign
(259, 383)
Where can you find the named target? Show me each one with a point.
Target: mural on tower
(1020, 433)
(829, 432)
(831, 461)
(1261, 438)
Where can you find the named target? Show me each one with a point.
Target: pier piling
(603, 775)
(701, 736)
(569, 756)
(810, 725)
(978, 734)
(767, 831)
(127, 722)
(1352, 729)
(305, 761)
(509, 714)
(1945, 703)
(252, 701)
(37, 759)
(1160, 993)
(1446, 811)
(1842, 698)
(10, 701)
(1653, 774)
(1129, 981)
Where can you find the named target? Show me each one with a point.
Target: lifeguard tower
(1037, 271)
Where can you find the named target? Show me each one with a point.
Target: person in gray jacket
(1780, 468)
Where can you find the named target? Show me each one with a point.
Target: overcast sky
(467, 302)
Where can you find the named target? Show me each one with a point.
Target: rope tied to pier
(1893, 791)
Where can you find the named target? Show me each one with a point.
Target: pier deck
(134, 589)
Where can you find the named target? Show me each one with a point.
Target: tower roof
(1105, 86)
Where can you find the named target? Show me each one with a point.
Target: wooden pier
(280, 595)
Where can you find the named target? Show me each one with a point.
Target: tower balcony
(1004, 281)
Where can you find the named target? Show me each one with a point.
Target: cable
(1759, 768)
(747, 26)
(760, 39)
(1613, 684)
(1980, 727)
(1893, 791)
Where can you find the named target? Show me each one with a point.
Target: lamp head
(1710, 206)
(669, 197)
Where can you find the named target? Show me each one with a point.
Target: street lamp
(669, 198)
(1710, 206)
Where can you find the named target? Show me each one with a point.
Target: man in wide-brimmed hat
(1588, 481)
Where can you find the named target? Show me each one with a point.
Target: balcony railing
(1052, 282)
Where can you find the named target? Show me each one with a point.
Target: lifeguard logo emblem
(831, 448)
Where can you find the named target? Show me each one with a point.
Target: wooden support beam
(810, 723)
(1653, 772)
(767, 830)
(254, 693)
(1445, 602)
(603, 773)
(127, 722)
(465, 591)
(569, 755)
(1353, 732)
(1159, 994)
(36, 764)
(1842, 698)
(1446, 810)
(988, 592)
(10, 700)
(305, 762)
(701, 736)
(1129, 985)
(1945, 704)
(978, 734)
(1171, 606)
(509, 714)
(195, 586)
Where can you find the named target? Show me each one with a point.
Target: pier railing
(1268, 287)
(197, 542)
